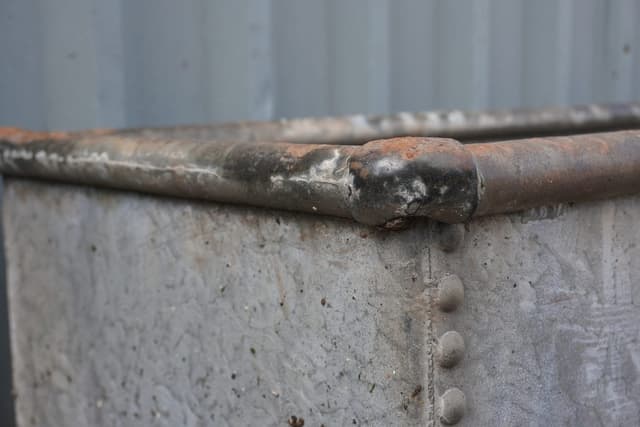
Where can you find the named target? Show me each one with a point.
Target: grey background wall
(69, 64)
(72, 64)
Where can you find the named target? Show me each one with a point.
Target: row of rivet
(450, 349)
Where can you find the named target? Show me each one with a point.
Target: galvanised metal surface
(134, 310)
(168, 312)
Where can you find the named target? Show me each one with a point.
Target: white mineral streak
(330, 172)
(99, 164)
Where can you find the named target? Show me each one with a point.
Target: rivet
(450, 349)
(453, 405)
(450, 293)
(450, 236)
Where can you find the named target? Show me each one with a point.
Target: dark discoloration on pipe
(413, 177)
(376, 183)
(262, 174)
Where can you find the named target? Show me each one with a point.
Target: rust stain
(409, 147)
(299, 150)
(360, 169)
(19, 136)
(522, 174)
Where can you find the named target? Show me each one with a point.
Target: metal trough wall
(254, 298)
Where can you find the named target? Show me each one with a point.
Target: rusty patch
(299, 150)
(19, 136)
(409, 147)
(522, 174)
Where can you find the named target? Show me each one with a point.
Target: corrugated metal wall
(93, 63)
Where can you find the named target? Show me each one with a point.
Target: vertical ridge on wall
(300, 53)
(22, 66)
(454, 53)
(238, 60)
(480, 51)
(162, 62)
(110, 79)
(261, 80)
(564, 47)
(588, 51)
(505, 53)
(621, 26)
(358, 56)
(69, 63)
(378, 53)
(412, 61)
(540, 41)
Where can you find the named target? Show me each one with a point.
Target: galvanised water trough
(472, 269)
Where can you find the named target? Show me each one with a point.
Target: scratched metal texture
(551, 317)
(141, 311)
(135, 310)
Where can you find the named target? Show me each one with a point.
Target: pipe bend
(375, 183)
